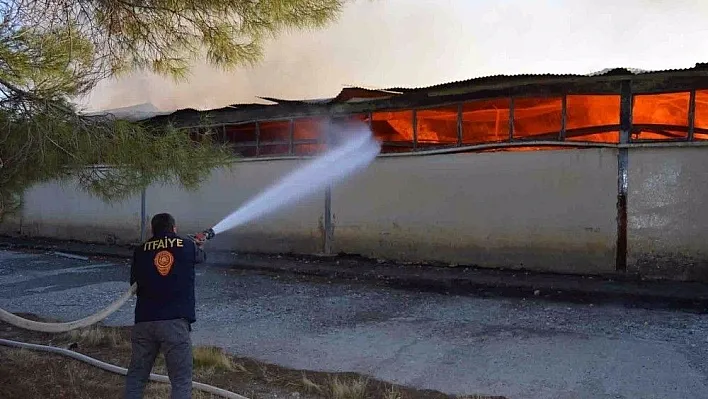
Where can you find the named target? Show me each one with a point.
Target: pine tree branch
(54, 50)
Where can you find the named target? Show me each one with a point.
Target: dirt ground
(31, 374)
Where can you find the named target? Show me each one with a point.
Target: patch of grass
(21, 356)
(347, 388)
(98, 336)
(41, 375)
(162, 391)
(214, 358)
(310, 386)
(393, 393)
(28, 374)
(160, 365)
(339, 387)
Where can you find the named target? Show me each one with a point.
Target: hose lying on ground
(116, 369)
(26, 324)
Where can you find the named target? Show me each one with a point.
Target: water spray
(357, 150)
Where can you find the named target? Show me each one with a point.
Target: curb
(450, 281)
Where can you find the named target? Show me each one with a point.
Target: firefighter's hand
(199, 239)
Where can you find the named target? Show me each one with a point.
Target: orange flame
(589, 118)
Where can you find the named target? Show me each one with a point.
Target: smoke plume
(411, 43)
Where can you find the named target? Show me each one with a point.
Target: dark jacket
(163, 267)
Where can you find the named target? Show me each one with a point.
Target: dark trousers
(173, 338)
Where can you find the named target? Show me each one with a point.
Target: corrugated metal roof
(481, 81)
(604, 72)
(307, 101)
(348, 94)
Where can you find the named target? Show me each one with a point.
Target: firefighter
(163, 267)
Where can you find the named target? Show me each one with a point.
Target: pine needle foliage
(53, 51)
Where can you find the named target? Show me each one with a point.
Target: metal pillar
(328, 228)
(622, 178)
(511, 119)
(692, 115)
(564, 117)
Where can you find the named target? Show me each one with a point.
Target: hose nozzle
(205, 235)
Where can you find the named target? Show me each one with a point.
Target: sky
(415, 43)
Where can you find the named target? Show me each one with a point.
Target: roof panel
(363, 94)
(604, 72)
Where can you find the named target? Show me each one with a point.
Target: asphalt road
(459, 345)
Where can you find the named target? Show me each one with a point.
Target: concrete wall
(294, 228)
(667, 218)
(62, 210)
(542, 210)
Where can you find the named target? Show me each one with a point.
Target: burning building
(600, 174)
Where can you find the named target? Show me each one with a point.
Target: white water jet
(354, 153)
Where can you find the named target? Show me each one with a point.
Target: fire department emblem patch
(163, 262)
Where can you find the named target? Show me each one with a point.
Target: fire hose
(32, 325)
(116, 369)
